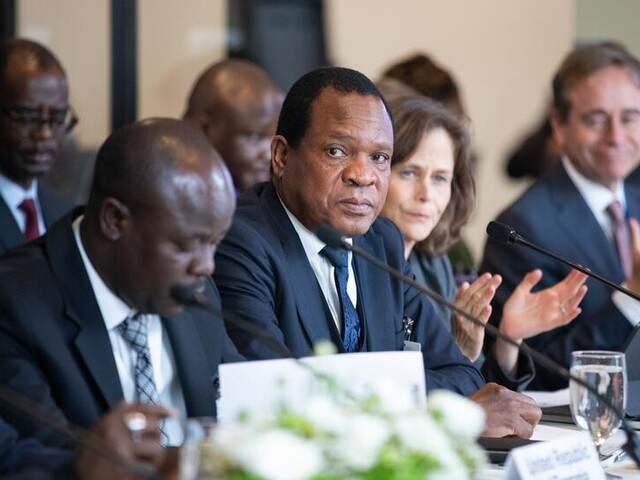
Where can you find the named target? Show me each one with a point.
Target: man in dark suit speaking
(86, 312)
(331, 163)
(582, 208)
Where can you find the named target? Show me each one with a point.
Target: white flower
(451, 472)
(279, 455)
(461, 417)
(419, 433)
(325, 415)
(363, 437)
(227, 439)
(324, 347)
(342, 434)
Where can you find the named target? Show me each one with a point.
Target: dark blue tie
(339, 259)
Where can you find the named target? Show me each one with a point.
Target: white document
(549, 399)
(258, 386)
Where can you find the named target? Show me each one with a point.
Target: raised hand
(475, 299)
(111, 429)
(527, 314)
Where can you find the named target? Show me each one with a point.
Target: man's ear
(114, 218)
(279, 152)
(198, 119)
(558, 128)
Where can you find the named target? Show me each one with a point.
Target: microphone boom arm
(519, 240)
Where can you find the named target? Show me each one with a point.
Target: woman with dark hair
(431, 196)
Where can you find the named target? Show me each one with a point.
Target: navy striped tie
(339, 259)
(134, 332)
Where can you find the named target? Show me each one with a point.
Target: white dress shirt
(114, 311)
(13, 195)
(598, 198)
(324, 270)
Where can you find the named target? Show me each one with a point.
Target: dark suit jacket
(553, 214)
(28, 458)
(55, 348)
(264, 276)
(53, 207)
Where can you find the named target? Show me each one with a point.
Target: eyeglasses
(30, 119)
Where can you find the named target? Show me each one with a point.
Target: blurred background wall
(502, 53)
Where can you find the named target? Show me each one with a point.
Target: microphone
(504, 233)
(335, 239)
(187, 296)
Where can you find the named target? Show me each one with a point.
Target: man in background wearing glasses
(35, 117)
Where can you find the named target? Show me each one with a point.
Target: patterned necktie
(621, 237)
(339, 259)
(134, 332)
(31, 230)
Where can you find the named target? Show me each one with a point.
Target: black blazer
(55, 348)
(28, 458)
(264, 276)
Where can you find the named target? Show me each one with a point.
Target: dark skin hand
(112, 431)
(509, 414)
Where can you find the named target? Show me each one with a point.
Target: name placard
(570, 457)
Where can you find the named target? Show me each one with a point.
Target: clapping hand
(475, 299)
(527, 314)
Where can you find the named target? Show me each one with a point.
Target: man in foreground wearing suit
(581, 209)
(34, 119)
(87, 317)
(331, 163)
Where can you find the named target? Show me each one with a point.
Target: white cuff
(629, 307)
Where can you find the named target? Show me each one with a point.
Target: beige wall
(177, 40)
(78, 33)
(598, 20)
(502, 53)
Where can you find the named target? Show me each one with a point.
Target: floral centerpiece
(376, 434)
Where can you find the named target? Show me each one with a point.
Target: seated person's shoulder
(24, 263)
(388, 231)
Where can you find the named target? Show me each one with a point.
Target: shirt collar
(597, 196)
(114, 311)
(14, 194)
(310, 242)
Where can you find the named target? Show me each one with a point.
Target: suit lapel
(53, 206)
(191, 364)
(633, 201)
(307, 293)
(576, 220)
(92, 339)
(371, 280)
(10, 234)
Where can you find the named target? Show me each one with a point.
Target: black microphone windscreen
(183, 295)
(501, 232)
(330, 236)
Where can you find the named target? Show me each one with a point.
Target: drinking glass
(606, 372)
(197, 431)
